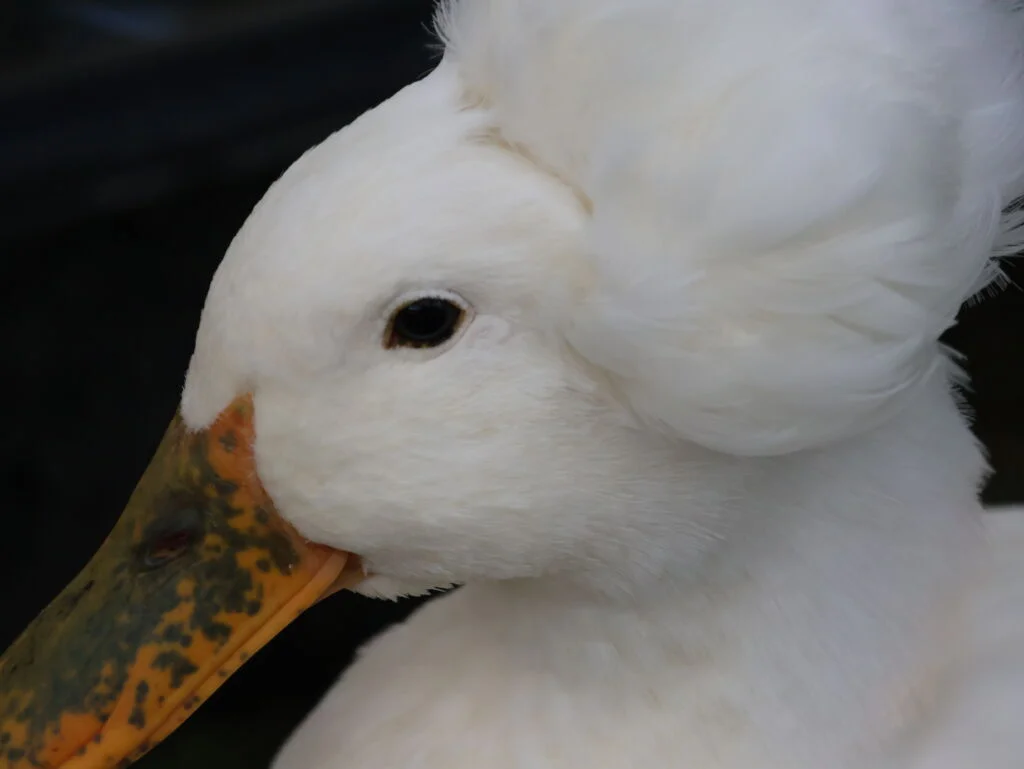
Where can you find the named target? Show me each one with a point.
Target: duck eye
(427, 322)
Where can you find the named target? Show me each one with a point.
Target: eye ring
(426, 321)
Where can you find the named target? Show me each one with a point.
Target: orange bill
(199, 572)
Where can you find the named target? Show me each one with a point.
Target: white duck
(626, 318)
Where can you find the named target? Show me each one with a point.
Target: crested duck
(625, 320)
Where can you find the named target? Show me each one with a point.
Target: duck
(621, 329)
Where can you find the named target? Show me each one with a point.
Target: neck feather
(834, 600)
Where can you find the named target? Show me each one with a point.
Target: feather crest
(790, 200)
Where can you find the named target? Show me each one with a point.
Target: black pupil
(426, 322)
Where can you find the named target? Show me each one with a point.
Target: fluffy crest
(789, 201)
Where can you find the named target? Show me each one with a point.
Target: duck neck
(833, 600)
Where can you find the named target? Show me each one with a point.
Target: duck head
(537, 317)
(379, 398)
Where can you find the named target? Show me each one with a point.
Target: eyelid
(428, 293)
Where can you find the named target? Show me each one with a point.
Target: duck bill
(199, 572)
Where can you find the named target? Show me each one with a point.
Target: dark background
(135, 136)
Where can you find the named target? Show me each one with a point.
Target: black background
(135, 137)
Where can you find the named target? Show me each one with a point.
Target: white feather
(746, 223)
(790, 200)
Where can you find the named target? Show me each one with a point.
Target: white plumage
(695, 453)
(790, 200)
